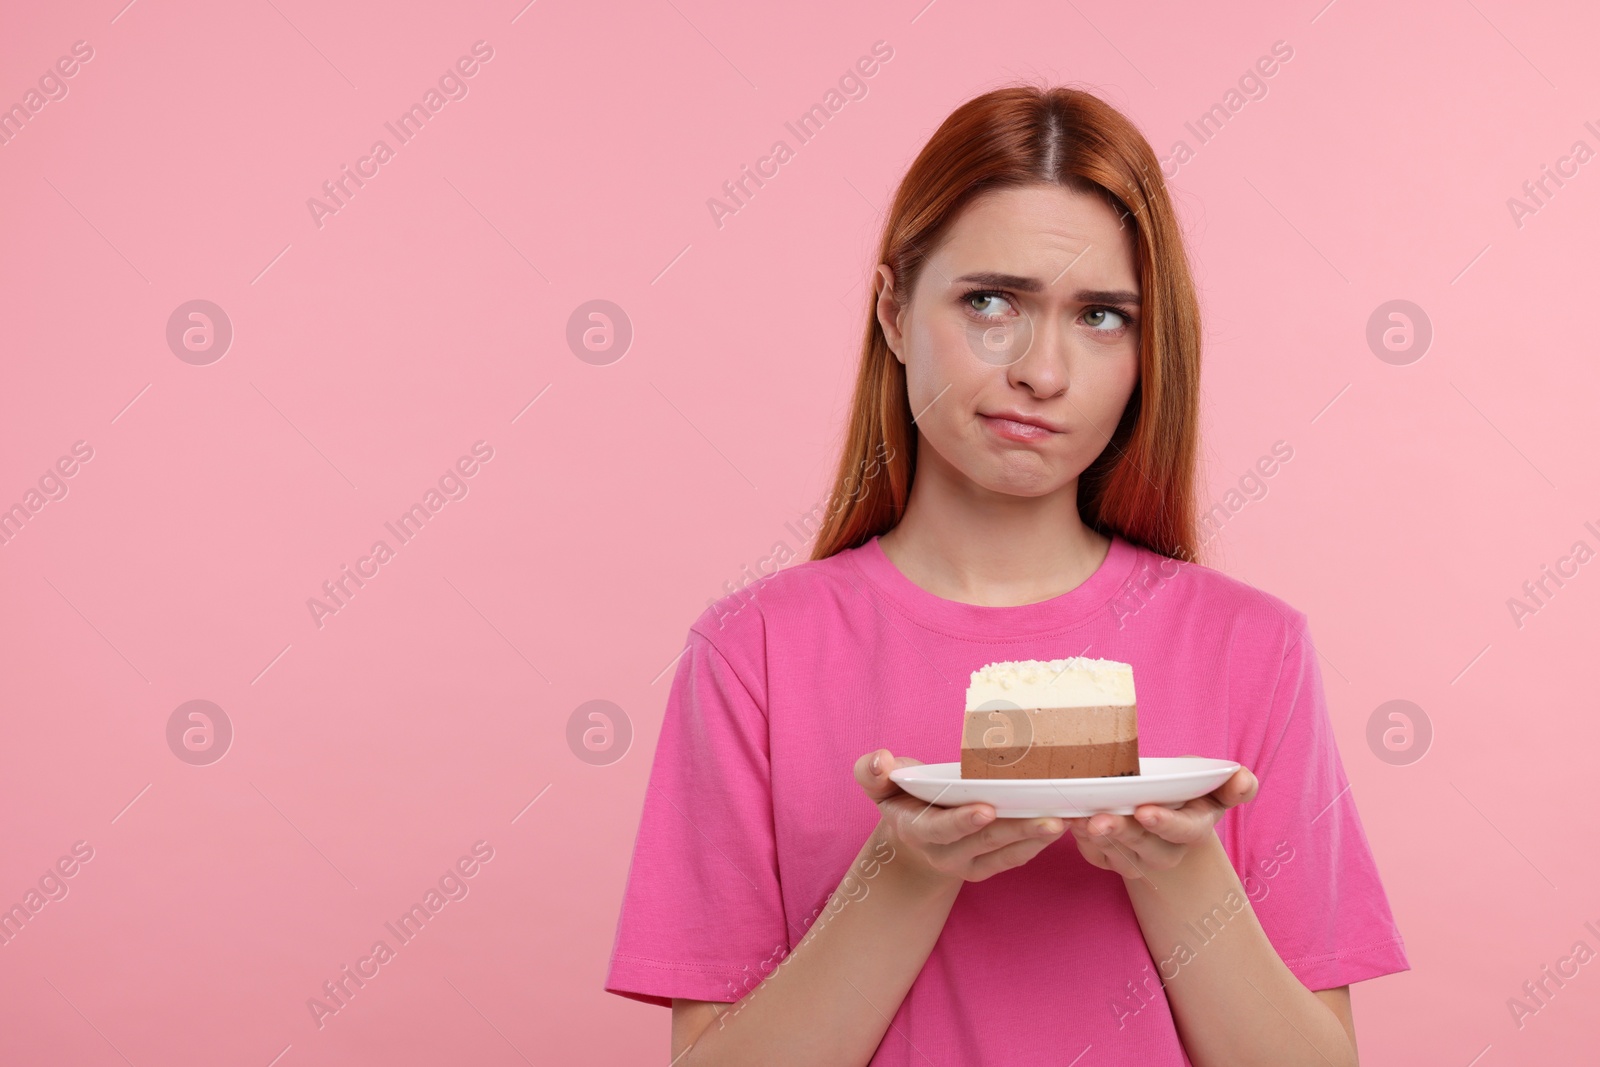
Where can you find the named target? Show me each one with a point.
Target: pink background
(368, 354)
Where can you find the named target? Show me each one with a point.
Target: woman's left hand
(1157, 838)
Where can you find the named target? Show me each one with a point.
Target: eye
(1119, 319)
(986, 296)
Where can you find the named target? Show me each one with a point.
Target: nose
(1042, 368)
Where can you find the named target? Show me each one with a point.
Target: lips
(1015, 431)
(1027, 420)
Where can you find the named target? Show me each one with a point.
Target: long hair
(1141, 486)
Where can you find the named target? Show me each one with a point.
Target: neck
(963, 542)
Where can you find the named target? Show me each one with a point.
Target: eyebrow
(1032, 285)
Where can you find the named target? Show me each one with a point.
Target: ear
(889, 310)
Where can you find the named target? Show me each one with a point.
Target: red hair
(1141, 486)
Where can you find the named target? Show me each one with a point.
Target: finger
(1122, 861)
(1239, 788)
(1153, 852)
(1088, 834)
(1094, 829)
(1124, 845)
(1182, 826)
(1093, 853)
(1122, 827)
(1242, 786)
(913, 819)
(876, 782)
(1002, 859)
(1002, 833)
(871, 772)
(933, 825)
(1128, 846)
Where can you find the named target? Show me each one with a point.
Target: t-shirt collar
(984, 622)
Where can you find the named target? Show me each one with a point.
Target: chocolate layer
(1113, 759)
(1092, 742)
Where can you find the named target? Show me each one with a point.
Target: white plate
(1168, 781)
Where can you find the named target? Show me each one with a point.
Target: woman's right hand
(966, 843)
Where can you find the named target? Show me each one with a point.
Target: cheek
(937, 356)
(941, 377)
(1107, 382)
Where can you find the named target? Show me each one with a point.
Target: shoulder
(755, 602)
(787, 600)
(1250, 615)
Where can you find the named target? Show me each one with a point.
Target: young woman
(1016, 484)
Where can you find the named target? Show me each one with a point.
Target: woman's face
(1028, 310)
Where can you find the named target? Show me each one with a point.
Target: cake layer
(1089, 742)
(1113, 760)
(1019, 727)
(1076, 681)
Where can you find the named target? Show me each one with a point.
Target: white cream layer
(1074, 682)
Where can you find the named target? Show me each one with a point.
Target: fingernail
(1148, 818)
(981, 817)
(877, 763)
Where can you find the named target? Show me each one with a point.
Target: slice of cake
(1060, 718)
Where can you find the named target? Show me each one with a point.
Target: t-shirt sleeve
(702, 914)
(1299, 847)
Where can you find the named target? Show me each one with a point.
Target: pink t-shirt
(753, 815)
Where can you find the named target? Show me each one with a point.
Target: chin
(1033, 483)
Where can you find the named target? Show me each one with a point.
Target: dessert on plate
(1060, 718)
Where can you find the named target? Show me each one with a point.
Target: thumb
(1245, 784)
(1241, 787)
(876, 782)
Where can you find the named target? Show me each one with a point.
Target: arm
(831, 999)
(1233, 998)
(1338, 1001)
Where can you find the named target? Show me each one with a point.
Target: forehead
(1040, 231)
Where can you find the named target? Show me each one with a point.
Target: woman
(1016, 484)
